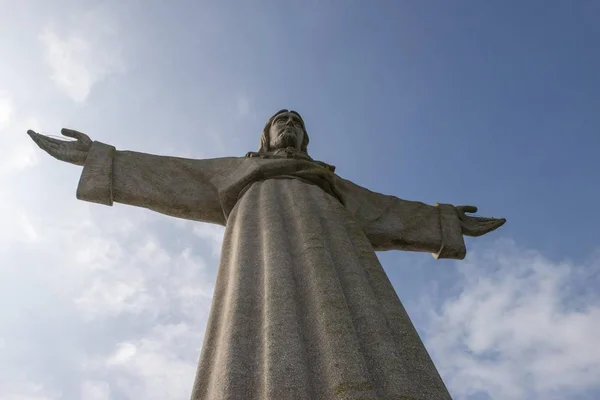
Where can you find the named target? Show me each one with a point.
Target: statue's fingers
(493, 224)
(74, 134)
(83, 141)
(468, 209)
(36, 137)
(478, 226)
(500, 222)
(484, 220)
(41, 140)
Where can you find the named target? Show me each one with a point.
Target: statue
(302, 308)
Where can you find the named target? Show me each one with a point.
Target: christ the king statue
(302, 308)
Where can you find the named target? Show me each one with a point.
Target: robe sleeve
(391, 223)
(178, 187)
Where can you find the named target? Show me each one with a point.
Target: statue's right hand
(71, 151)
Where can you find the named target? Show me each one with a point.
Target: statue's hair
(265, 138)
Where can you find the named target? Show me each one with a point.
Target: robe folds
(302, 308)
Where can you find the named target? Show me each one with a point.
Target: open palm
(71, 151)
(477, 226)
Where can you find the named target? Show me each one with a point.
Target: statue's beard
(286, 139)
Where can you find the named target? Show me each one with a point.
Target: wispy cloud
(6, 110)
(17, 150)
(84, 55)
(95, 390)
(98, 303)
(159, 365)
(212, 233)
(82, 269)
(27, 391)
(519, 327)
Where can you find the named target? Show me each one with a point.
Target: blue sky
(487, 103)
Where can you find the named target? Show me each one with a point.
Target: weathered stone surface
(302, 308)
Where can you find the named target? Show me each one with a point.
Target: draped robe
(302, 308)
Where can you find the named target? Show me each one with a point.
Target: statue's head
(284, 129)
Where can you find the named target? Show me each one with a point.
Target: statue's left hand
(476, 226)
(71, 151)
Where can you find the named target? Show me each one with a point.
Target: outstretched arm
(391, 223)
(174, 186)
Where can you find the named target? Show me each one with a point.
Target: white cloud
(75, 280)
(123, 353)
(142, 277)
(95, 390)
(17, 151)
(519, 327)
(160, 365)
(212, 233)
(30, 391)
(6, 110)
(85, 55)
(29, 233)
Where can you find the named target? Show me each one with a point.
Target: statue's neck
(288, 152)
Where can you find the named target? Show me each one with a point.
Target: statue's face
(286, 131)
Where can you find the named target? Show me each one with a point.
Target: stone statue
(302, 308)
